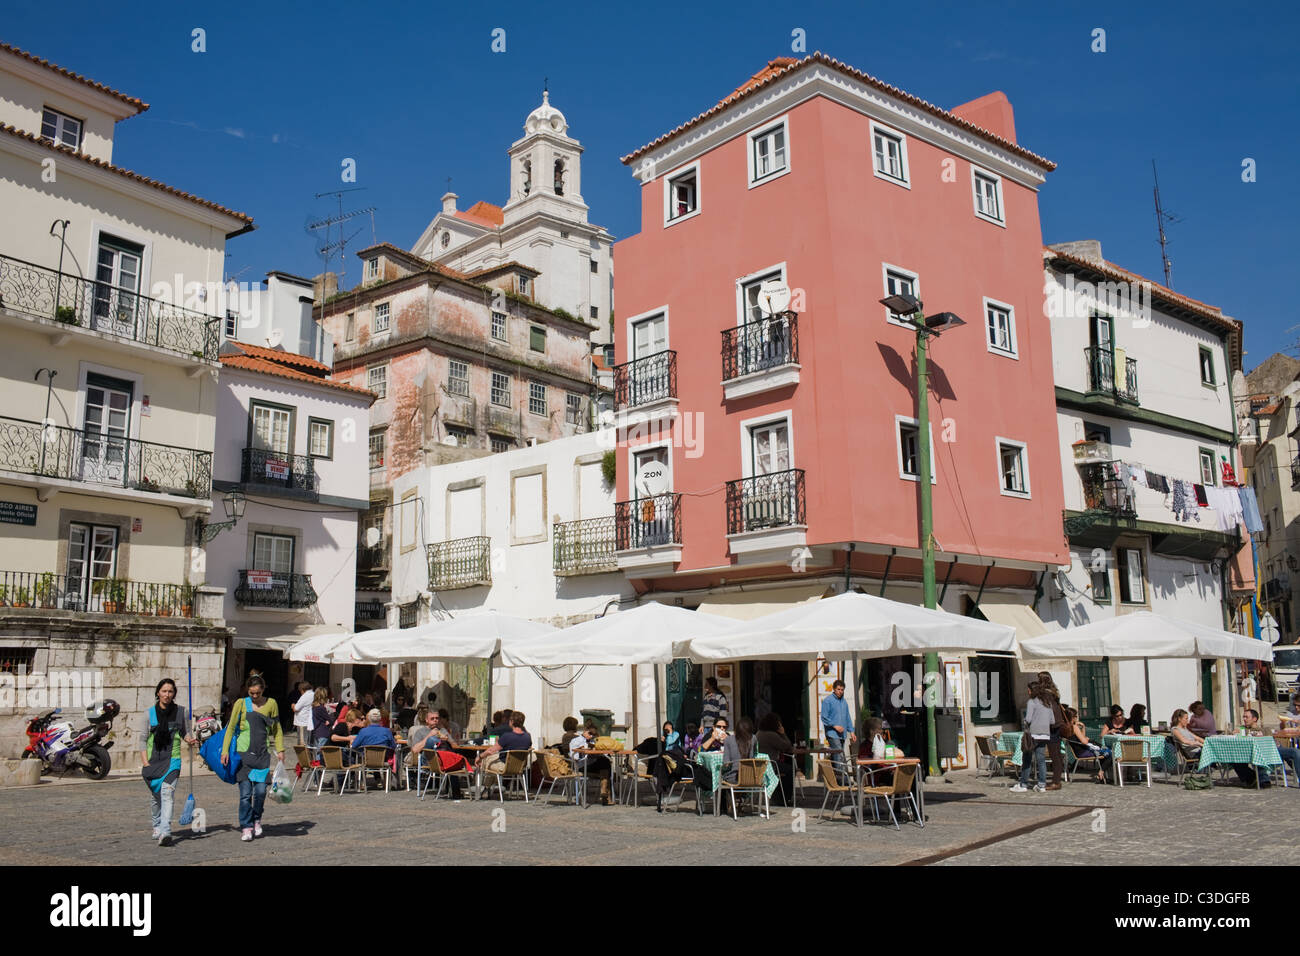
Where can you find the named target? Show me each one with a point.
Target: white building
(543, 226)
(1142, 391)
(530, 533)
(279, 316)
(290, 439)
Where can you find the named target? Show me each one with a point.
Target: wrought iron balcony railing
(766, 501)
(1295, 472)
(45, 589)
(1104, 490)
(645, 380)
(460, 563)
(1105, 377)
(1277, 588)
(89, 455)
(121, 313)
(274, 589)
(584, 547)
(648, 522)
(294, 474)
(758, 346)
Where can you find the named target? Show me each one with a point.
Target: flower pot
(111, 607)
(185, 610)
(164, 612)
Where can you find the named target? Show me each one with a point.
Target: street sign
(1268, 629)
(15, 512)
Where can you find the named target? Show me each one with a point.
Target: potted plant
(45, 589)
(113, 593)
(147, 484)
(143, 604)
(66, 314)
(191, 487)
(187, 599)
(22, 598)
(4, 591)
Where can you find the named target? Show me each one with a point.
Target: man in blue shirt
(837, 725)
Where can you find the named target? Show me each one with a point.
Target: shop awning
(1012, 611)
(747, 605)
(253, 642)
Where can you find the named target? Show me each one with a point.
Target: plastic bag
(281, 784)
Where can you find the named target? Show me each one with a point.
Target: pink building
(785, 433)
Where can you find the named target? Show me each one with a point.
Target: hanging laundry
(1180, 506)
(1139, 475)
(1229, 477)
(1250, 509)
(1201, 500)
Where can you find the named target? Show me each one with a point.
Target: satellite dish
(274, 338)
(773, 297)
(372, 537)
(652, 478)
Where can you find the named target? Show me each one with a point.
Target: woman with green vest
(255, 724)
(160, 750)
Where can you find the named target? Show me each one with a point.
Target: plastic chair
(557, 770)
(829, 779)
(997, 760)
(904, 775)
(313, 767)
(515, 770)
(1131, 753)
(430, 768)
(749, 779)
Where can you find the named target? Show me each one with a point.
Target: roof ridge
(252, 363)
(140, 105)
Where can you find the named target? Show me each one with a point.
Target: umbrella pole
(488, 711)
(1146, 673)
(659, 719)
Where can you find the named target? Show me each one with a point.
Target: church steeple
(545, 165)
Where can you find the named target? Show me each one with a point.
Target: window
(564, 234)
(499, 326)
(372, 268)
(377, 380)
(500, 444)
(1207, 467)
(1094, 689)
(501, 389)
(17, 660)
(537, 338)
(464, 437)
(271, 428)
(995, 674)
(273, 552)
(900, 282)
(1095, 432)
(889, 154)
(537, 398)
(320, 438)
(1013, 468)
(750, 288)
(682, 195)
(1001, 328)
(767, 153)
(1100, 580)
(381, 317)
(573, 409)
(1132, 583)
(118, 264)
(61, 129)
(909, 463)
(92, 559)
(525, 285)
(559, 177)
(595, 312)
(232, 324)
(1207, 366)
(377, 441)
(458, 377)
(350, 328)
(988, 195)
(595, 267)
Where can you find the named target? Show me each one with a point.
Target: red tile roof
(127, 174)
(411, 258)
(783, 66)
(483, 213)
(512, 266)
(280, 356)
(131, 101)
(253, 364)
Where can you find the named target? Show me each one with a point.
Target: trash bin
(945, 735)
(603, 719)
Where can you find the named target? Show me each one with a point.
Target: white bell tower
(546, 168)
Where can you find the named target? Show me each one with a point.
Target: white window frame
(350, 327)
(372, 268)
(1204, 352)
(492, 389)
(899, 422)
(388, 318)
(382, 435)
(1213, 480)
(370, 379)
(751, 143)
(328, 425)
(742, 307)
(532, 397)
(784, 416)
(885, 269)
(505, 326)
(975, 173)
(890, 133)
(669, 178)
(630, 327)
(61, 119)
(1014, 350)
(458, 384)
(633, 451)
(273, 540)
(572, 408)
(1144, 569)
(998, 444)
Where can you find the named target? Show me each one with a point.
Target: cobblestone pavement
(969, 821)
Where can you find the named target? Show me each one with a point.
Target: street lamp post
(234, 503)
(910, 309)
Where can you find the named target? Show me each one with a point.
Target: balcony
(460, 563)
(766, 516)
(648, 534)
(584, 547)
(92, 457)
(377, 558)
(502, 421)
(49, 591)
(760, 356)
(1112, 374)
(77, 303)
(648, 384)
(275, 590)
(1103, 490)
(289, 474)
(1277, 589)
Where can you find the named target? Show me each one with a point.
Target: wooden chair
(312, 768)
(374, 760)
(430, 769)
(997, 760)
(516, 770)
(749, 779)
(556, 769)
(1081, 755)
(904, 776)
(1131, 753)
(826, 771)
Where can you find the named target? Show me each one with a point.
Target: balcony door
(272, 572)
(764, 339)
(649, 380)
(107, 427)
(271, 428)
(770, 491)
(117, 285)
(652, 515)
(92, 559)
(1101, 336)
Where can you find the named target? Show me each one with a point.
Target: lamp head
(943, 321)
(234, 503)
(902, 304)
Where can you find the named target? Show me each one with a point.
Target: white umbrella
(848, 625)
(319, 648)
(466, 639)
(651, 633)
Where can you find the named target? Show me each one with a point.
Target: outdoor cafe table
(1154, 746)
(711, 760)
(1010, 740)
(870, 765)
(615, 768)
(1230, 748)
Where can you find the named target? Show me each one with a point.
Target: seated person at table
(500, 724)
(1116, 722)
(570, 726)
(773, 741)
(873, 740)
(1290, 718)
(1200, 720)
(714, 739)
(1137, 719)
(449, 725)
(1076, 738)
(1188, 742)
(435, 738)
(738, 746)
(405, 718)
(1247, 774)
(691, 742)
(515, 737)
(590, 764)
(374, 734)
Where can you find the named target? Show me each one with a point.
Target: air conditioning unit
(1088, 452)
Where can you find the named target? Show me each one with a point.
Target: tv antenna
(1161, 218)
(328, 245)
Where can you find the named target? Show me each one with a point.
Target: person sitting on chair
(1248, 774)
(1188, 742)
(1116, 722)
(438, 741)
(773, 742)
(1200, 721)
(1076, 738)
(589, 764)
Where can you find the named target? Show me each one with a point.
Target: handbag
(1027, 742)
(210, 751)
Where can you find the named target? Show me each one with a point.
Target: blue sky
(262, 120)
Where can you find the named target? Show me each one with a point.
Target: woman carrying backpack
(255, 726)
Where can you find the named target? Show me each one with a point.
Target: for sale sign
(277, 470)
(261, 580)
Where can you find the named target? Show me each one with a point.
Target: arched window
(559, 177)
(527, 176)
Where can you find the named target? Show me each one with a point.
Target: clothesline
(1233, 504)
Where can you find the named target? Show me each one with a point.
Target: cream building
(109, 398)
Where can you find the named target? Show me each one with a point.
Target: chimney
(1089, 249)
(324, 285)
(449, 202)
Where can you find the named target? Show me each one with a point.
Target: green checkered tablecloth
(1010, 740)
(1154, 747)
(712, 760)
(1230, 748)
